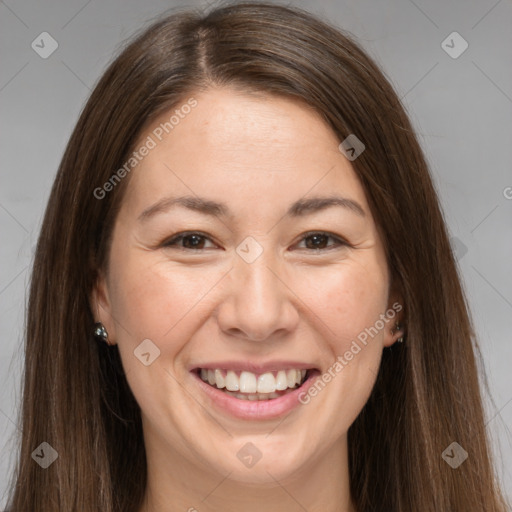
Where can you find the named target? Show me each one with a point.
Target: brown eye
(319, 241)
(190, 241)
(314, 241)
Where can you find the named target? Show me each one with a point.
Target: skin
(257, 154)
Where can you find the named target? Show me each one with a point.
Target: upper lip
(253, 367)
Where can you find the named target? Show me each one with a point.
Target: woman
(243, 295)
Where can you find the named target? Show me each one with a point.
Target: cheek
(156, 299)
(349, 303)
(348, 298)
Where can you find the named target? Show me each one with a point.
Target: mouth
(246, 385)
(267, 392)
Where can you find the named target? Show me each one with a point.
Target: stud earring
(398, 327)
(101, 333)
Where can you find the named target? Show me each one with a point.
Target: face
(250, 282)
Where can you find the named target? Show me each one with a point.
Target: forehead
(248, 150)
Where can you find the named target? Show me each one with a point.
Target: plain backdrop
(460, 104)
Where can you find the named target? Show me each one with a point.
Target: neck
(176, 483)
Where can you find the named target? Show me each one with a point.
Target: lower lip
(257, 409)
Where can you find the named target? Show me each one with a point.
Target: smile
(246, 385)
(265, 393)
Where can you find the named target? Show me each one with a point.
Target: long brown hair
(76, 396)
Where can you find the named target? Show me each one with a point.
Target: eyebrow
(299, 208)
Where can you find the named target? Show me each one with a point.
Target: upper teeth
(249, 382)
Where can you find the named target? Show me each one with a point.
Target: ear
(102, 308)
(396, 314)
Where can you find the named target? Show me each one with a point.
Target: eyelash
(171, 243)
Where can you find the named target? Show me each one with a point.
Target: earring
(398, 327)
(101, 332)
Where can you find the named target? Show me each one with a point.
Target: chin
(267, 464)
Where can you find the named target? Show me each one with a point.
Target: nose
(258, 304)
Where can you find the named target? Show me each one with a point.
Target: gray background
(461, 108)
